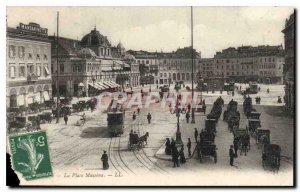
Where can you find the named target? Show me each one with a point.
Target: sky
(163, 28)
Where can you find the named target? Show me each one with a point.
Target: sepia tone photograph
(151, 96)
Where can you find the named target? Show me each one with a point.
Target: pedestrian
(181, 154)
(133, 116)
(104, 160)
(231, 155)
(66, 119)
(173, 145)
(149, 118)
(196, 134)
(258, 88)
(189, 107)
(168, 147)
(189, 146)
(236, 145)
(187, 116)
(138, 110)
(175, 156)
(204, 108)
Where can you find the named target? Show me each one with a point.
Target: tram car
(115, 123)
(252, 89)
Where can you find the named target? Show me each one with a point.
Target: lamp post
(192, 49)
(178, 133)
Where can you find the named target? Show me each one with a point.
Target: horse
(143, 139)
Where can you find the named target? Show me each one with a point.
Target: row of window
(21, 53)
(266, 59)
(38, 70)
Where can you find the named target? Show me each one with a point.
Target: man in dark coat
(168, 147)
(196, 134)
(182, 157)
(104, 160)
(236, 145)
(231, 155)
(66, 119)
(173, 145)
(175, 156)
(189, 146)
(187, 116)
(133, 116)
(149, 118)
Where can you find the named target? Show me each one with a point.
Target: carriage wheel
(216, 159)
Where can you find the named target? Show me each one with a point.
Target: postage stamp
(30, 155)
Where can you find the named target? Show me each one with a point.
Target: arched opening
(13, 98)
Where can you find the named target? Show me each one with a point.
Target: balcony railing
(32, 78)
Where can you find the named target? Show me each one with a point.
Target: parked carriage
(210, 125)
(253, 125)
(254, 115)
(206, 146)
(271, 157)
(233, 123)
(45, 117)
(243, 137)
(231, 109)
(263, 136)
(115, 123)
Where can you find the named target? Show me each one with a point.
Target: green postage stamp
(30, 155)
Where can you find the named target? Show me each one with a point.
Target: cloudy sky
(163, 28)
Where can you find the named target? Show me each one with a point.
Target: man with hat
(231, 155)
(104, 160)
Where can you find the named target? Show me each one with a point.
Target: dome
(86, 52)
(120, 46)
(94, 38)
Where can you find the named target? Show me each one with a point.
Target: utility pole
(192, 38)
(57, 71)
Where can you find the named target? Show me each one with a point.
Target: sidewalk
(187, 131)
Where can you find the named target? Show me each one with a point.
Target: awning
(81, 84)
(110, 84)
(114, 83)
(102, 85)
(95, 86)
(46, 96)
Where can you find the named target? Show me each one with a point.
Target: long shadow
(95, 132)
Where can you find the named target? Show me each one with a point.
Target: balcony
(32, 78)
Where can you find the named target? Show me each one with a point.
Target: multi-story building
(148, 65)
(263, 64)
(177, 66)
(28, 65)
(205, 67)
(90, 65)
(289, 69)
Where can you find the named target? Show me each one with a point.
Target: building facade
(263, 64)
(28, 65)
(289, 69)
(91, 65)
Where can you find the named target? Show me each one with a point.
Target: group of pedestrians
(178, 157)
(149, 117)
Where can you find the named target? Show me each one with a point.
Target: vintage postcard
(151, 96)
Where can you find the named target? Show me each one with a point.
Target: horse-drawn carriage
(254, 115)
(231, 110)
(253, 125)
(263, 136)
(271, 157)
(137, 142)
(233, 122)
(210, 125)
(243, 138)
(206, 146)
(45, 117)
(247, 105)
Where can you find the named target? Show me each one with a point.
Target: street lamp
(178, 133)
